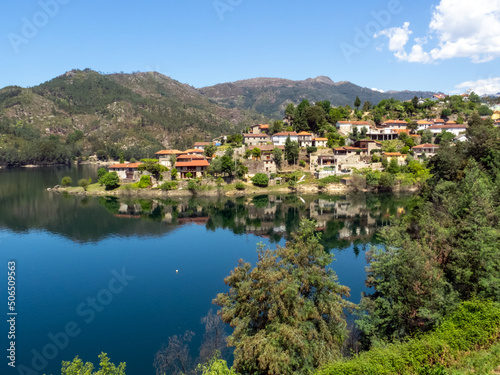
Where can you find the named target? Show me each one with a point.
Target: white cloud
(462, 28)
(398, 36)
(489, 86)
(374, 89)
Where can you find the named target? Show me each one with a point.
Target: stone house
(256, 139)
(197, 167)
(201, 145)
(164, 157)
(126, 171)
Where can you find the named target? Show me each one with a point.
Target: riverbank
(129, 190)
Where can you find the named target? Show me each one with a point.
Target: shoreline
(306, 189)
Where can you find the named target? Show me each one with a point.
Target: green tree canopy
(288, 311)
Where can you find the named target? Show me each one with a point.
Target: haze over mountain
(270, 96)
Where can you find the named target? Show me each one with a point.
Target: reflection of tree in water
(343, 220)
(175, 358)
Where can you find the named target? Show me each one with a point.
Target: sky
(442, 45)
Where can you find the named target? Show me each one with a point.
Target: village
(259, 151)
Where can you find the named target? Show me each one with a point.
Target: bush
(328, 180)
(101, 172)
(240, 186)
(219, 181)
(387, 180)
(189, 175)
(145, 182)
(169, 185)
(84, 183)
(192, 185)
(302, 163)
(260, 179)
(66, 181)
(373, 178)
(110, 180)
(101, 155)
(311, 149)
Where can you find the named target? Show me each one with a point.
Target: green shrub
(66, 181)
(260, 179)
(302, 163)
(84, 183)
(101, 172)
(311, 149)
(144, 182)
(189, 175)
(169, 185)
(110, 180)
(373, 178)
(240, 186)
(328, 180)
(192, 185)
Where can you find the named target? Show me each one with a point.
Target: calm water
(104, 269)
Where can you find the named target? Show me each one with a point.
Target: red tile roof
(456, 126)
(169, 152)
(320, 139)
(395, 122)
(438, 121)
(426, 145)
(286, 134)
(394, 154)
(266, 126)
(194, 163)
(304, 133)
(354, 122)
(125, 165)
(193, 151)
(258, 135)
(198, 157)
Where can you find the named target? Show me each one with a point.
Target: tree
(260, 179)
(210, 150)
(414, 101)
(314, 115)
(277, 127)
(367, 106)
(66, 181)
(102, 155)
(256, 152)
(288, 311)
(291, 150)
(393, 167)
(357, 103)
(110, 180)
(227, 164)
(101, 172)
(277, 156)
(173, 173)
(152, 166)
(413, 126)
(426, 136)
(84, 183)
(241, 169)
(106, 367)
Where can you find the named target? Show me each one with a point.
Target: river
(121, 276)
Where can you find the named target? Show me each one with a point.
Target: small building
(305, 139)
(193, 151)
(394, 124)
(165, 156)
(401, 158)
(126, 171)
(346, 127)
(257, 139)
(279, 139)
(455, 129)
(320, 142)
(196, 167)
(367, 145)
(423, 124)
(438, 121)
(259, 129)
(427, 149)
(201, 145)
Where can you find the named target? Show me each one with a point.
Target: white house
(305, 139)
(453, 128)
(423, 124)
(394, 124)
(427, 148)
(346, 127)
(279, 139)
(320, 142)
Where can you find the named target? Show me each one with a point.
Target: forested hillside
(82, 112)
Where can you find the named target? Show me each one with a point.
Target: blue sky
(426, 45)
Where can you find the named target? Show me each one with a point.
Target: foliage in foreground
(288, 311)
(446, 250)
(474, 324)
(77, 367)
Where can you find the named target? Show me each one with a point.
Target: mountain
(125, 110)
(270, 96)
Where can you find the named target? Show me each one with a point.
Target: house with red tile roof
(394, 124)
(320, 142)
(423, 124)
(197, 168)
(346, 127)
(427, 149)
(126, 171)
(256, 139)
(201, 145)
(259, 128)
(456, 129)
(401, 158)
(165, 156)
(305, 139)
